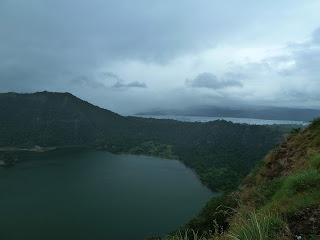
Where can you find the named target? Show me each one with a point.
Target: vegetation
(280, 199)
(220, 152)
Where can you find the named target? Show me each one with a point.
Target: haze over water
(250, 121)
(88, 194)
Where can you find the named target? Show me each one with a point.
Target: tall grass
(189, 234)
(252, 225)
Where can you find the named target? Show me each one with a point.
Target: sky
(132, 56)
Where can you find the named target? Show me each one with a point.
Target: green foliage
(154, 149)
(315, 122)
(265, 191)
(300, 182)
(315, 161)
(298, 190)
(252, 225)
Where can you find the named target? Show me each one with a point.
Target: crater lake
(87, 194)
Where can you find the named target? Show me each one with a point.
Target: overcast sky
(131, 56)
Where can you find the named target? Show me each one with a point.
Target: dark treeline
(220, 152)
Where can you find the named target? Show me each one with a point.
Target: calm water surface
(250, 121)
(87, 194)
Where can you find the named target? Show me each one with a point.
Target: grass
(301, 189)
(315, 161)
(252, 225)
(190, 234)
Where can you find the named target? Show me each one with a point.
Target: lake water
(88, 194)
(250, 121)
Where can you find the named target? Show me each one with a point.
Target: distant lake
(250, 121)
(88, 194)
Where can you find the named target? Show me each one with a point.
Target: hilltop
(221, 153)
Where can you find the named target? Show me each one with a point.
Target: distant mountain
(220, 152)
(256, 112)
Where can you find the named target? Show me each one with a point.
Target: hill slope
(220, 152)
(280, 199)
(52, 119)
(287, 186)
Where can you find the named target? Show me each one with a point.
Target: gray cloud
(120, 83)
(108, 77)
(135, 84)
(290, 79)
(208, 80)
(54, 40)
(86, 82)
(111, 75)
(75, 45)
(303, 61)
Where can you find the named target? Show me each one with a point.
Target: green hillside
(280, 199)
(220, 152)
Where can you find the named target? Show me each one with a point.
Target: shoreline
(34, 149)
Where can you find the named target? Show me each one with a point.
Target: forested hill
(220, 152)
(55, 119)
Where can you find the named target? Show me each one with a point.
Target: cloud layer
(231, 52)
(208, 80)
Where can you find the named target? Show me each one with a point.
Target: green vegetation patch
(154, 149)
(315, 161)
(265, 191)
(252, 225)
(299, 190)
